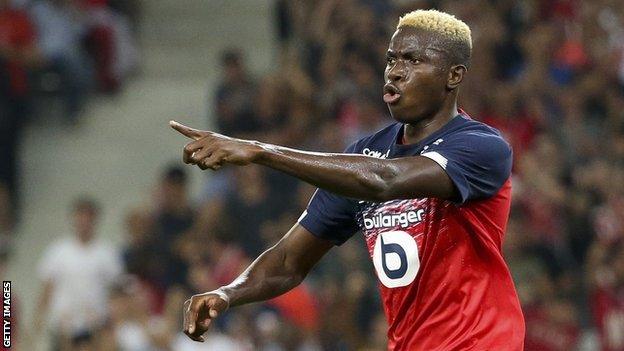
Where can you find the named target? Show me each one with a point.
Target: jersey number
(395, 257)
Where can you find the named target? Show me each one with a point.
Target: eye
(390, 60)
(414, 61)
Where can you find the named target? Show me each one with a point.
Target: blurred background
(105, 232)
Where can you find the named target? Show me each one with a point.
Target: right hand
(200, 310)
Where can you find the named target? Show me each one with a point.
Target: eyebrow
(411, 51)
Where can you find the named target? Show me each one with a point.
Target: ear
(455, 76)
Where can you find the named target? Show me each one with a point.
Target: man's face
(84, 224)
(416, 75)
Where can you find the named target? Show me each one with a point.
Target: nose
(396, 72)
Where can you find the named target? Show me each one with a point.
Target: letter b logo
(395, 257)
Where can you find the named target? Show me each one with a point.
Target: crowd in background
(548, 74)
(54, 54)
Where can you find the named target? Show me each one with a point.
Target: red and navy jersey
(442, 277)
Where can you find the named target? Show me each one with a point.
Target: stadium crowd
(58, 53)
(548, 74)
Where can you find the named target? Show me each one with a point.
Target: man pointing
(433, 209)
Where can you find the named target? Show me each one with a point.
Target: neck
(84, 240)
(417, 131)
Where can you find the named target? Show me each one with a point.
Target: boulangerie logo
(403, 219)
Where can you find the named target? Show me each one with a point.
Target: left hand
(213, 150)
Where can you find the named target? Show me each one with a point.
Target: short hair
(86, 203)
(453, 30)
(175, 174)
(231, 56)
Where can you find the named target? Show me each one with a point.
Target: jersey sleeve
(330, 216)
(478, 163)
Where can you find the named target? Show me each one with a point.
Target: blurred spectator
(173, 216)
(18, 56)
(60, 30)
(139, 256)
(137, 253)
(606, 272)
(76, 273)
(110, 44)
(234, 96)
(44, 48)
(132, 326)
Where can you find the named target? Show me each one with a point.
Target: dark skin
(419, 71)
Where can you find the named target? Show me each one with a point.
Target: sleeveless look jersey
(443, 281)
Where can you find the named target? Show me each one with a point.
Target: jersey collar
(397, 149)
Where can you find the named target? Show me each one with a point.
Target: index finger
(187, 131)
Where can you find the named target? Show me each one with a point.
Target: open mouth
(391, 95)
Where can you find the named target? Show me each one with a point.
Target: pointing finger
(187, 131)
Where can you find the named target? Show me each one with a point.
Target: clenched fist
(200, 310)
(213, 150)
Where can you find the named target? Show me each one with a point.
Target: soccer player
(430, 193)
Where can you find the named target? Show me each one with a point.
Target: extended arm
(361, 177)
(276, 271)
(355, 176)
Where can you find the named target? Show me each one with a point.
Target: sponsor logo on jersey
(403, 219)
(395, 257)
(377, 154)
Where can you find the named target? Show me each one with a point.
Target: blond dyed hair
(449, 27)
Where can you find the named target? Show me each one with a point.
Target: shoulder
(380, 139)
(478, 136)
(469, 126)
(56, 252)
(61, 244)
(105, 248)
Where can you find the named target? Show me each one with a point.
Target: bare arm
(356, 176)
(276, 271)
(44, 303)
(362, 177)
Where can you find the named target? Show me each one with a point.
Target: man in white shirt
(77, 272)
